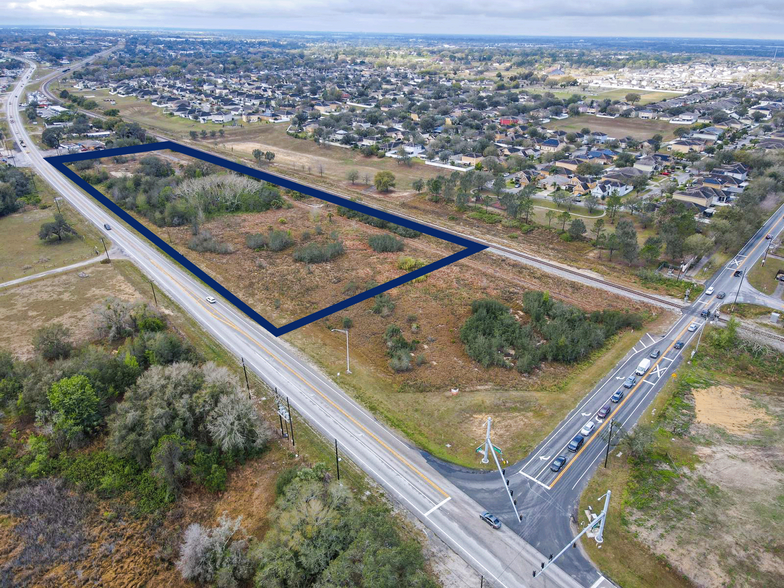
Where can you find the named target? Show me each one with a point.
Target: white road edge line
(599, 581)
(437, 506)
(545, 486)
(652, 339)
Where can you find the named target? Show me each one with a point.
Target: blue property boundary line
(60, 164)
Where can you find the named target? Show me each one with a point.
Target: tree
(169, 462)
(52, 342)
(627, 237)
(564, 217)
(51, 137)
(257, 155)
(59, 227)
(75, 404)
(418, 185)
(550, 214)
(698, 245)
(577, 229)
(384, 181)
(352, 175)
(221, 132)
(651, 250)
(269, 156)
(612, 243)
(194, 135)
(639, 182)
(637, 442)
(632, 98)
(598, 230)
(591, 202)
(203, 134)
(613, 206)
(434, 186)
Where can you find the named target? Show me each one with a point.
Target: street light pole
(106, 250)
(348, 364)
(609, 439)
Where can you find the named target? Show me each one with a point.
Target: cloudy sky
(757, 19)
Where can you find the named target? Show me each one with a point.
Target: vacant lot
(616, 127)
(763, 277)
(22, 253)
(710, 489)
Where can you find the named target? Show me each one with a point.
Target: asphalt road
(547, 499)
(502, 557)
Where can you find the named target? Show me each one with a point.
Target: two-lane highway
(500, 556)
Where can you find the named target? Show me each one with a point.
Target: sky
(741, 19)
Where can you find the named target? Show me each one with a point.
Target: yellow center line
(308, 384)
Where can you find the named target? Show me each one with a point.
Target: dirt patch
(728, 408)
(65, 298)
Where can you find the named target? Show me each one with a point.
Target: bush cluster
(319, 252)
(377, 222)
(205, 242)
(385, 243)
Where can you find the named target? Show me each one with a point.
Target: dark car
(768, 237)
(720, 295)
(603, 412)
(576, 443)
(738, 273)
(491, 520)
(705, 313)
(558, 463)
(679, 345)
(630, 381)
(655, 353)
(617, 396)
(107, 227)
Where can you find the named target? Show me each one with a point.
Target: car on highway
(211, 299)
(709, 291)
(603, 412)
(655, 353)
(705, 313)
(679, 345)
(693, 327)
(558, 463)
(738, 273)
(491, 520)
(107, 226)
(576, 443)
(587, 429)
(630, 381)
(768, 237)
(721, 295)
(617, 396)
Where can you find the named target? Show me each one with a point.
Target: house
(609, 187)
(736, 170)
(685, 118)
(624, 174)
(647, 164)
(568, 164)
(471, 158)
(711, 134)
(550, 145)
(687, 146)
(703, 197)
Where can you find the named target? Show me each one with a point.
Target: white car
(693, 327)
(211, 299)
(709, 291)
(587, 428)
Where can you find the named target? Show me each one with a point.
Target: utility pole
(244, 369)
(106, 250)
(740, 283)
(599, 520)
(348, 365)
(57, 203)
(609, 439)
(490, 448)
(337, 458)
(291, 421)
(154, 297)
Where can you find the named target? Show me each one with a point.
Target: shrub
(347, 322)
(52, 342)
(318, 252)
(400, 362)
(256, 241)
(76, 407)
(205, 242)
(385, 243)
(377, 222)
(383, 304)
(409, 264)
(279, 240)
(207, 554)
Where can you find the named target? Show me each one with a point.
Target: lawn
(616, 127)
(763, 277)
(22, 253)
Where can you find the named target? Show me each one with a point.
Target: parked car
(491, 520)
(693, 327)
(558, 463)
(679, 345)
(709, 291)
(720, 295)
(603, 412)
(587, 429)
(617, 396)
(107, 226)
(576, 443)
(630, 381)
(655, 353)
(211, 299)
